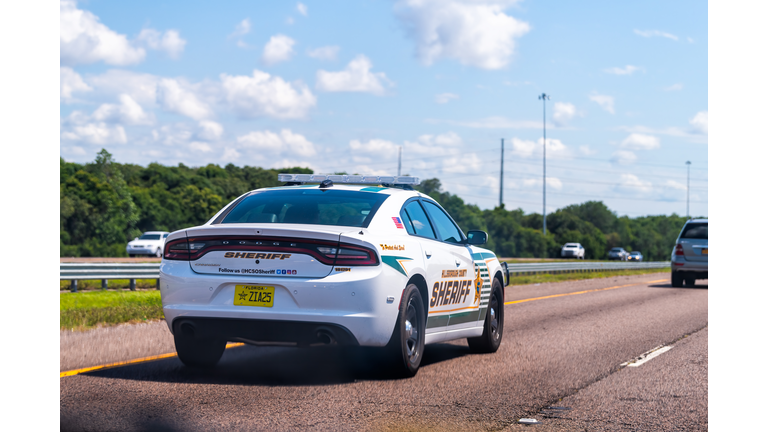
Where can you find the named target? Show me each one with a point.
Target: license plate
(254, 295)
(704, 251)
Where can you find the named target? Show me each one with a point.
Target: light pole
(688, 194)
(501, 176)
(543, 97)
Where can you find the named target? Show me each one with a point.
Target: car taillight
(356, 256)
(176, 250)
(679, 249)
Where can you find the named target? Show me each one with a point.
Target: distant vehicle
(150, 243)
(635, 256)
(572, 250)
(690, 257)
(618, 253)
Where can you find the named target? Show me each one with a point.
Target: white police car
(353, 261)
(150, 243)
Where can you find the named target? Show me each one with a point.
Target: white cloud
(586, 150)
(632, 184)
(79, 127)
(356, 77)
(700, 122)
(170, 41)
(173, 135)
(71, 82)
(552, 182)
(302, 8)
(141, 87)
(278, 49)
(324, 53)
(495, 122)
(476, 33)
(675, 185)
(286, 143)
(83, 39)
(127, 112)
(564, 112)
(375, 147)
(674, 87)
(638, 141)
(176, 97)
(527, 149)
(209, 130)
(623, 157)
(443, 98)
(230, 155)
(242, 28)
(200, 147)
(264, 95)
(605, 101)
(626, 70)
(655, 33)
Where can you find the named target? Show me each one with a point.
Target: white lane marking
(647, 356)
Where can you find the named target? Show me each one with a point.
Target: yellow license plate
(254, 295)
(704, 251)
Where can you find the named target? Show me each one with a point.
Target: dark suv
(691, 253)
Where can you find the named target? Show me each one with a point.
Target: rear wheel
(493, 327)
(677, 279)
(131, 255)
(689, 281)
(158, 253)
(194, 352)
(407, 344)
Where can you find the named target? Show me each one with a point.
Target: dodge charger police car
(351, 261)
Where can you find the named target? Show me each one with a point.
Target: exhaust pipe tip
(325, 337)
(187, 329)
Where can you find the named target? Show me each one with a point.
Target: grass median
(89, 309)
(85, 310)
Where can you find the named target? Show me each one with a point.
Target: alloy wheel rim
(412, 333)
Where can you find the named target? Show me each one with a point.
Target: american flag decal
(398, 222)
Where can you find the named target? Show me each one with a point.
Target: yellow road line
(582, 292)
(129, 362)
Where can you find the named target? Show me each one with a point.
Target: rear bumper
(362, 303)
(697, 269)
(265, 332)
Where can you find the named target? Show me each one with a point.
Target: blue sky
(341, 86)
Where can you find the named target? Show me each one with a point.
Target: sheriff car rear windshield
(695, 231)
(307, 206)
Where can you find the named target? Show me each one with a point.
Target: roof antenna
(326, 184)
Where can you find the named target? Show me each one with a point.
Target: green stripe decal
(394, 262)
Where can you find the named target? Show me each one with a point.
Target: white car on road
(150, 243)
(339, 263)
(572, 250)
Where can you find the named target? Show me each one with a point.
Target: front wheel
(407, 344)
(493, 327)
(159, 253)
(677, 279)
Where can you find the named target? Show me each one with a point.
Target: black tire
(406, 347)
(131, 255)
(158, 253)
(677, 279)
(689, 281)
(493, 327)
(199, 353)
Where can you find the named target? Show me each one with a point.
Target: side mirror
(505, 272)
(135, 238)
(477, 237)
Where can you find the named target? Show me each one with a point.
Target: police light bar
(357, 179)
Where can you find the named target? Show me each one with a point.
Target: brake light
(356, 256)
(176, 250)
(679, 249)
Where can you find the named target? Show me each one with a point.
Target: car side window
(447, 230)
(418, 219)
(407, 222)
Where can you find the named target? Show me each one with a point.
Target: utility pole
(399, 159)
(688, 194)
(501, 176)
(543, 97)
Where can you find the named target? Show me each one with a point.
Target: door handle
(428, 253)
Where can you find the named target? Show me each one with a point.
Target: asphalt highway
(575, 356)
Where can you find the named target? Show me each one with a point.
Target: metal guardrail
(76, 271)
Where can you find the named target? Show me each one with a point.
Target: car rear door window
(418, 219)
(446, 229)
(697, 231)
